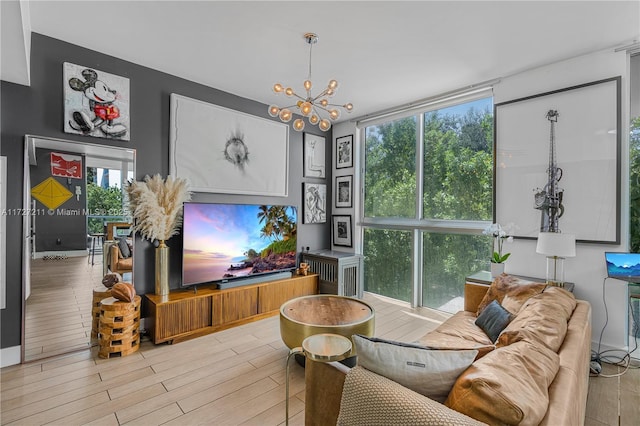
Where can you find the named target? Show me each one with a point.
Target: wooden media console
(186, 313)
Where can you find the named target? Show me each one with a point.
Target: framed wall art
(96, 103)
(314, 158)
(342, 230)
(344, 152)
(226, 151)
(315, 202)
(66, 165)
(587, 139)
(344, 185)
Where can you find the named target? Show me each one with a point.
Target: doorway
(74, 190)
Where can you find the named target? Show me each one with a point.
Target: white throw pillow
(430, 372)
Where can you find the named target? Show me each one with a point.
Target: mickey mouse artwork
(96, 103)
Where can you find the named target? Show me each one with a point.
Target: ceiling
(383, 53)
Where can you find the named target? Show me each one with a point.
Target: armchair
(117, 262)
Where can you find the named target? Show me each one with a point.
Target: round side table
(324, 347)
(324, 313)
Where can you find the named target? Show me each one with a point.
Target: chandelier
(310, 106)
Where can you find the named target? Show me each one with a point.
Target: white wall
(587, 269)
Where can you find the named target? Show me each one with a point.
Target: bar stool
(95, 236)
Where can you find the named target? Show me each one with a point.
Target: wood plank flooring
(233, 377)
(58, 311)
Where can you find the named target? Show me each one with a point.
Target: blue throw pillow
(493, 319)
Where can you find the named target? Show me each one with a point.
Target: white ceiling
(383, 53)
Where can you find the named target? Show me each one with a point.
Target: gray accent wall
(38, 110)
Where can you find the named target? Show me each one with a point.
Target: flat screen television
(229, 242)
(623, 266)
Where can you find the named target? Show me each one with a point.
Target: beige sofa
(519, 380)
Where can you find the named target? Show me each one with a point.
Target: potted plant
(156, 207)
(499, 234)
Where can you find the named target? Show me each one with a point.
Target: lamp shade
(556, 244)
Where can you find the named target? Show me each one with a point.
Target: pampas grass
(156, 206)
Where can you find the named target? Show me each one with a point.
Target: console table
(188, 313)
(484, 277)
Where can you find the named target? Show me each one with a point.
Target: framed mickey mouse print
(96, 103)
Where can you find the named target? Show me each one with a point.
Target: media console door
(185, 314)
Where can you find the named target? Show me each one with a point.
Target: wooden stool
(119, 327)
(98, 295)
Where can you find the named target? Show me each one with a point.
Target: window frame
(419, 225)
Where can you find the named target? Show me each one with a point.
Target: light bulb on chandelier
(309, 106)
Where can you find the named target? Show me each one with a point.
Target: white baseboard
(9, 356)
(67, 253)
(605, 347)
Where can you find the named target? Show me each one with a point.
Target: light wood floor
(235, 376)
(58, 311)
(232, 377)
(614, 400)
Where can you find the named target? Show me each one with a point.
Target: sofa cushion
(493, 319)
(507, 386)
(517, 291)
(370, 399)
(430, 372)
(542, 319)
(459, 332)
(461, 324)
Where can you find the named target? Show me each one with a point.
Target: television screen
(229, 241)
(623, 266)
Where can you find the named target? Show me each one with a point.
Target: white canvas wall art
(226, 151)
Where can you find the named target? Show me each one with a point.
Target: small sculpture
(111, 279)
(303, 269)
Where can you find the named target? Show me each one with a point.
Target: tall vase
(496, 269)
(162, 269)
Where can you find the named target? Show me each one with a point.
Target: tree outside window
(457, 185)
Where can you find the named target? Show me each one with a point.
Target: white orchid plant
(500, 234)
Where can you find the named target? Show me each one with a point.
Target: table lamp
(556, 246)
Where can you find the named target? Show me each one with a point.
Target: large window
(105, 197)
(427, 197)
(634, 154)
(390, 187)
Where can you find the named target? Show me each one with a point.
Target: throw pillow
(370, 399)
(493, 319)
(505, 285)
(429, 372)
(124, 248)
